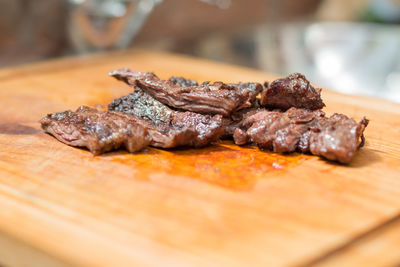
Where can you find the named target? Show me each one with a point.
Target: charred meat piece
(183, 82)
(215, 98)
(99, 131)
(292, 91)
(253, 88)
(335, 138)
(278, 131)
(169, 128)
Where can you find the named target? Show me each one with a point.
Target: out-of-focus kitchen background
(352, 46)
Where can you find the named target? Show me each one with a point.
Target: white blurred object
(354, 58)
(113, 24)
(106, 24)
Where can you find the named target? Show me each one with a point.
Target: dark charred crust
(168, 127)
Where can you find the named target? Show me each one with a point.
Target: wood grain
(222, 205)
(370, 249)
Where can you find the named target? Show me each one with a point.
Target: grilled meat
(215, 98)
(99, 131)
(292, 91)
(169, 128)
(335, 138)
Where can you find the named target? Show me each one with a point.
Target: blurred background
(352, 46)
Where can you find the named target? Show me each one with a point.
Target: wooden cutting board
(219, 206)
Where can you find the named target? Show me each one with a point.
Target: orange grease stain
(225, 164)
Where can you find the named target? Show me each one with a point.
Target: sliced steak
(253, 88)
(335, 138)
(292, 91)
(215, 98)
(169, 128)
(99, 131)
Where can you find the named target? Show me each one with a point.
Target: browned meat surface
(215, 98)
(99, 131)
(335, 138)
(183, 82)
(253, 88)
(169, 128)
(292, 91)
(236, 120)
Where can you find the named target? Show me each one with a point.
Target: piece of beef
(335, 138)
(99, 131)
(279, 131)
(215, 98)
(253, 88)
(232, 122)
(169, 128)
(292, 91)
